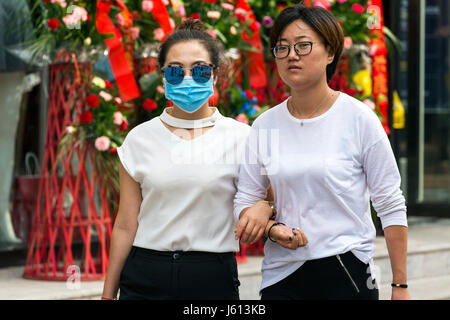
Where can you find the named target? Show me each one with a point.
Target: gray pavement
(428, 271)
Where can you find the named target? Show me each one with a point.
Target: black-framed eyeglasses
(301, 48)
(201, 73)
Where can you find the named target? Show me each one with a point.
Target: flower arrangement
(63, 24)
(142, 25)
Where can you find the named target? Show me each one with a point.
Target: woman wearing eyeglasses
(173, 236)
(325, 155)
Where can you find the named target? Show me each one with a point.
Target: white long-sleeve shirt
(323, 175)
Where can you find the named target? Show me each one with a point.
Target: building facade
(420, 72)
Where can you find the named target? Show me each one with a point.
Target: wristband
(398, 285)
(103, 298)
(268, 232)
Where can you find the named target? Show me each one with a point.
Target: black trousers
(184, 275)
(326, 279)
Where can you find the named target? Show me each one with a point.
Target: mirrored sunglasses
(201, 73)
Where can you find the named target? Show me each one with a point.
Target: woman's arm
(123, 232)
(383, 179)
(396, 241)
(250, 210)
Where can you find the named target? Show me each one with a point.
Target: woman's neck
(309, 101)
(204, 112)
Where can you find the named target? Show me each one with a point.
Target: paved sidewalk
(428, 246)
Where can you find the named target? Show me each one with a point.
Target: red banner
(378, 51)
(117, 57)
(161, 15)
(256, 62)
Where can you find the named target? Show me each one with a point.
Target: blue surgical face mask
(189, 95)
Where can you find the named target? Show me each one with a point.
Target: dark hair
(188, 30)
(321, 21)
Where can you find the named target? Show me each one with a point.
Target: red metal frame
(66, 212)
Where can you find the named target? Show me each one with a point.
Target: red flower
(195, 16)
(351, 92)
(108, 84)
(86, 117)
(123, 126)
(149, 105)
(240, 16)
(92, 100)
(113, 151)
(259, 97)
(53, 24)
(254, 26)
(358, 8)
(249, 94)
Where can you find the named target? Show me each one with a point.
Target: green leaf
(149, 82)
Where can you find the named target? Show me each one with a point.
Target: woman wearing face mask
(325, 155)
(173, 236)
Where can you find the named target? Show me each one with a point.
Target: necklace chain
(315, 110)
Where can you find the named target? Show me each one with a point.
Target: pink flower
(341, 1)
(240, 13)
(267, 22)
(118, 118)
(348, 42)
(80, 13)
(102, 143)
(257, 108)
(358, 8)
(182, 11)
(105, 95)
(160, 89)
(373, 50)
(118, 101)
(70, 129)
(172, 23)
(228, 6)
(135, 32)
(242, 118)
(233, 30)
(120, 19)
(62, 3)
(212, 33)
(158, 34)
(147, 5)
(320, 5)
(213, 14)
(370, 103)
(77, 14)
(70, 20)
